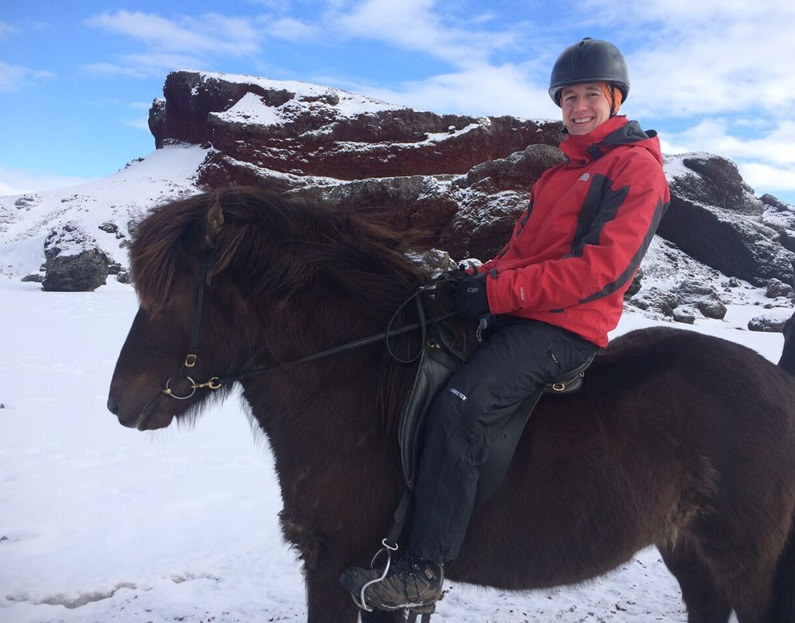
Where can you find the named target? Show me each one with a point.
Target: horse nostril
(113, 406)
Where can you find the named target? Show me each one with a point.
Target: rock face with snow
(715, 218)
(461, 181)
(309, 130)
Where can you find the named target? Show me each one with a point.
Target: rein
(216, 382)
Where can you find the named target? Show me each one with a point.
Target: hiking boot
(410, 582)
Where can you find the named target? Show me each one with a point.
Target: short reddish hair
(613, 95)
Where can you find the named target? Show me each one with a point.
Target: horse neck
(341, 403)
(318, 416)
(316, 395)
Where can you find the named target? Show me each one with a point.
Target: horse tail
(783, 604)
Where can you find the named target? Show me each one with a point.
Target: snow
(675, 163)
(101, 523)
(250, 109)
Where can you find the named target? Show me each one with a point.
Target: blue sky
(77, 78)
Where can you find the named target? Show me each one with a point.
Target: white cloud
(112, 70)
(291, 29)
(141, 119)
(141, 123)
(205, 33)
(151, 62)
(719, 137)
(11, 76)
(17, 77)
(421, 26)
(7, 30)
(776, 180)
(480, 90)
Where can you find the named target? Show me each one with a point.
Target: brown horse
(677, 440)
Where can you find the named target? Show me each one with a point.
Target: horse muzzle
(146, 417)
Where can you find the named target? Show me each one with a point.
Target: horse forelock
(152, 257)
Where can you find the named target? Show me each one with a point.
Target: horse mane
(281, 247)
(281, 244)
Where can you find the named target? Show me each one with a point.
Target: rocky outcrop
(469, 215)
(74, 261)
(715, 218)
(308, 130)
(461, 180)
(684, 301)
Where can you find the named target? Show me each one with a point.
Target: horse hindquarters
(714, 584)
(723, 565)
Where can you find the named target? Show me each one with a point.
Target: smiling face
(584, 107)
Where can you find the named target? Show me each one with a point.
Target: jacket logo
(584, 177)
(455, 392)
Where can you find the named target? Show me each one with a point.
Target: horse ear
(215, 220)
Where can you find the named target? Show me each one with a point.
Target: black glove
(471, 300)
(452, 275)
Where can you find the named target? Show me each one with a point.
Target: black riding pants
(518, 357)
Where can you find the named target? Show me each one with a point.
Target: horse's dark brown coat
(678, 440)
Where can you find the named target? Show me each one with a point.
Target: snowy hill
(118, 200)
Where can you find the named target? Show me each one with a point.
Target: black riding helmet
(590, 60)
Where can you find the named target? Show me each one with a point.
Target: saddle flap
(437, 364)
(436, 367)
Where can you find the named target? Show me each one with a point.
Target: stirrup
(387, 549)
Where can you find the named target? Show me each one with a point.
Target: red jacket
(589, 222)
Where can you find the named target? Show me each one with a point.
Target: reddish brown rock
(309, 130)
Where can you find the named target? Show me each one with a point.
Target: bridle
(216, 382)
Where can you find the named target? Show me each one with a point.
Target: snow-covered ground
(100, 523)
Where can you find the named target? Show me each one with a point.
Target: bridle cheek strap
(193, 354)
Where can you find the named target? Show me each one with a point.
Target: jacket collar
(615, 131)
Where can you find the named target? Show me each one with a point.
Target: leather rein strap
(216, 382)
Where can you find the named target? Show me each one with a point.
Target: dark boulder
(74, 262)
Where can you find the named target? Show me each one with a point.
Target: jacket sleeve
(605, 255)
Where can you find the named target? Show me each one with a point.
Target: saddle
(438, 361)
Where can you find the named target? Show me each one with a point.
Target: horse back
(671, 431)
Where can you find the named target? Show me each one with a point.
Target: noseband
(216, 382)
